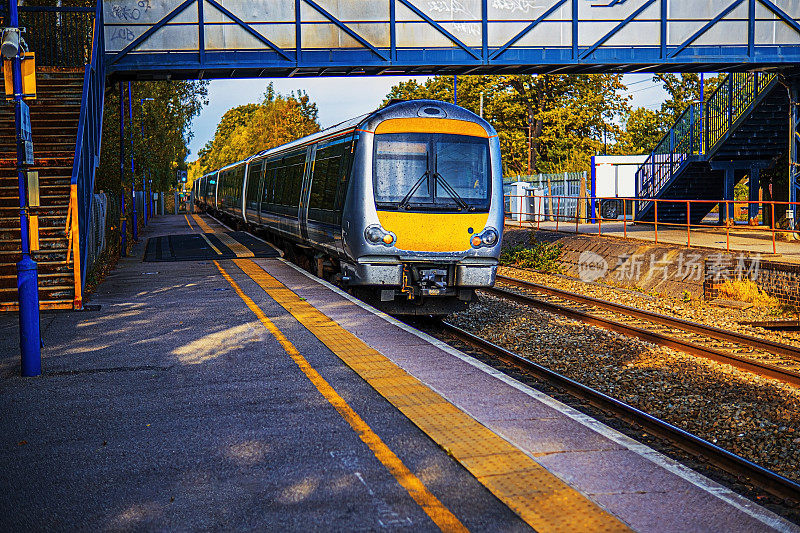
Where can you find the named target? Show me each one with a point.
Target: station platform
(216, 386)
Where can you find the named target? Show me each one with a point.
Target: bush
(539, 256)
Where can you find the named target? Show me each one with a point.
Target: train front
(424, 217)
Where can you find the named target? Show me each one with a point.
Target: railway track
(741, 468)
(759, 356)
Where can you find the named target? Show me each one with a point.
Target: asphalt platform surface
(173, 408)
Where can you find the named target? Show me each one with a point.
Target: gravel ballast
(757, 418)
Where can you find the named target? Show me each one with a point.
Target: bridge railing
(61, 36)
(700, 130)
(87, 154)
(730, 101)
(684, 139)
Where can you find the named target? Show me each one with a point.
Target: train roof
(368, 121)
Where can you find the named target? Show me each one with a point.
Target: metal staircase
(66, 120)
(744, 122)
(54, 119)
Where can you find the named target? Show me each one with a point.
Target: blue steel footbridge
(758, 40)
(243, 38)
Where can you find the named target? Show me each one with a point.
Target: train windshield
(441, 172)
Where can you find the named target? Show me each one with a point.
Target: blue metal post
(794, 149)
(725, 208)
(30, 340)
(135, 228)
(146, 212)
(455, 90)
(124, 221)
(754, 185)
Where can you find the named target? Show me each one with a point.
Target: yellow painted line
(235, 246)
(187, 221)
(202, 223)
(541, 499)
(203, 235)
(440, 515)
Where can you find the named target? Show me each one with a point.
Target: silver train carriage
(403, 205)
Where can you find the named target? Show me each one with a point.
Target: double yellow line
(235, 246)
(440, 515)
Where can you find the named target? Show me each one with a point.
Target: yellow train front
(403, 206)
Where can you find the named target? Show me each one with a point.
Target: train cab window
(400, 164)
(463, 164)
(422, 171)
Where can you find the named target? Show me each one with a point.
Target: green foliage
(252, 128)
(158, 135)
(567, 116)
(643, 130)
(539, 256)
(683, 90)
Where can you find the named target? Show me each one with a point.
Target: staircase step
(54, 120)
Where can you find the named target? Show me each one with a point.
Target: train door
(302, 215)
(243, 198)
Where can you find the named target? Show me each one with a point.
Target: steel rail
(735, 465)
(742, 363)
(765, 345)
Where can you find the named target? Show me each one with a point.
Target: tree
(643, 130)
(569, 116)
(683, 90)
(158, 135)
(249, 129)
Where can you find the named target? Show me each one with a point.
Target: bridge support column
(725, 208)
(794, 149)
(753, 188)
(726, 215)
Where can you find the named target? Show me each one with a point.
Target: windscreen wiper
(452, 192)
(404, 202)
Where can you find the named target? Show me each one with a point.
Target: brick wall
(779, 280)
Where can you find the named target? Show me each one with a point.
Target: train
(402, 206)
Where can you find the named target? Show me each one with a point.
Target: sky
(339, 99)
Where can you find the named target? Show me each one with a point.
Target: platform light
(10, 46)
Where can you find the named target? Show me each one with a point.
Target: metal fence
(563, 191)
(60, 36)
(96, 232)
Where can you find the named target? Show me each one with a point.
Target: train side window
(349, 149)
(267, 196)
(318, 182)
(280, 183)
(334, 168)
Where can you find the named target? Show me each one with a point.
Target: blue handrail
(700, 130)
(87, 146)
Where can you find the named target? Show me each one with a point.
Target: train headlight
(377, 235)
(487, 237)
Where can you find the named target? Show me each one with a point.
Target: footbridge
(195, 39)
(243, 38)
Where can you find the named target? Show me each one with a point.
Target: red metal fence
(765, 219)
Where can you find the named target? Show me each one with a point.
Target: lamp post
(30, 340)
